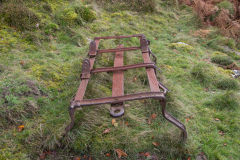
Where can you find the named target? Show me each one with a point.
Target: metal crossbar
(157, 89)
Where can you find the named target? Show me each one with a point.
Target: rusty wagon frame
(157, 90)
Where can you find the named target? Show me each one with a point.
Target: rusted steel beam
(118, 37)
(118, 50)
(173, 120)
(123, 68)
(83, 85)
(119, 99)
(152, 79)
(117, 109)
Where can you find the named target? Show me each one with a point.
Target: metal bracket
(144, 44)
(85, 69)
(92, 49)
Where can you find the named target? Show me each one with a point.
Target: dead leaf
(155, 144)
(149, 121)
(21, 62)
(126, 123)
(115, 124)
(187, 119)
(20, 128)
(106, 131)
(135, 79)
(77, 158)
(113, 121)
(141, 153)
(201, 33)
(107, 154)
(216, 119)
(42, 156)
(153, 116)
(90, 158)
(146, 154)
(225, 144)
(120, 153)
(201, 156)
(221, 133)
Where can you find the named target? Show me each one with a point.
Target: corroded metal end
(173, 120)
(92, 49)
(144, 44)
(85, 69)
(117, 110)
(75, 104)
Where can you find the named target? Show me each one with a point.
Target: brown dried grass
(206, 9)
(223, 20)
(201, 33)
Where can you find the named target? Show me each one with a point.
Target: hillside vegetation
(42, 45)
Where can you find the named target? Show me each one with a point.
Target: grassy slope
(55, 68)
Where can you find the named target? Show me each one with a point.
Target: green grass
(51, 57)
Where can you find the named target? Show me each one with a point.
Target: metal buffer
(157, 90)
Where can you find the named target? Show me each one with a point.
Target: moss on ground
(222, 60)
(51, 57)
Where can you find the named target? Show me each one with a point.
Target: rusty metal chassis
(158, 91)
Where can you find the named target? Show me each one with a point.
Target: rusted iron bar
(118, 37)
(173, 120)
(118, 50)
(83, 85)
(118, 98)
(123, 68)
(117, 109)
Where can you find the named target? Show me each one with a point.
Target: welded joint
(75, 104)
(164, 88)
(92, 49)
(85, 69)
(144, 44)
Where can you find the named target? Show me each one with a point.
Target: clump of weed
(181, 46)
(47, 7)
(135, 5)
(17, 15)
(68, 17)
(227, 84)
(51, 28)
(216, 41)
(85, 13)
(222, 60)
(18, 100)
(74, 15)
(227, 100)
(208, 76)
(203, 72)
(1, 68)
(226, 5)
